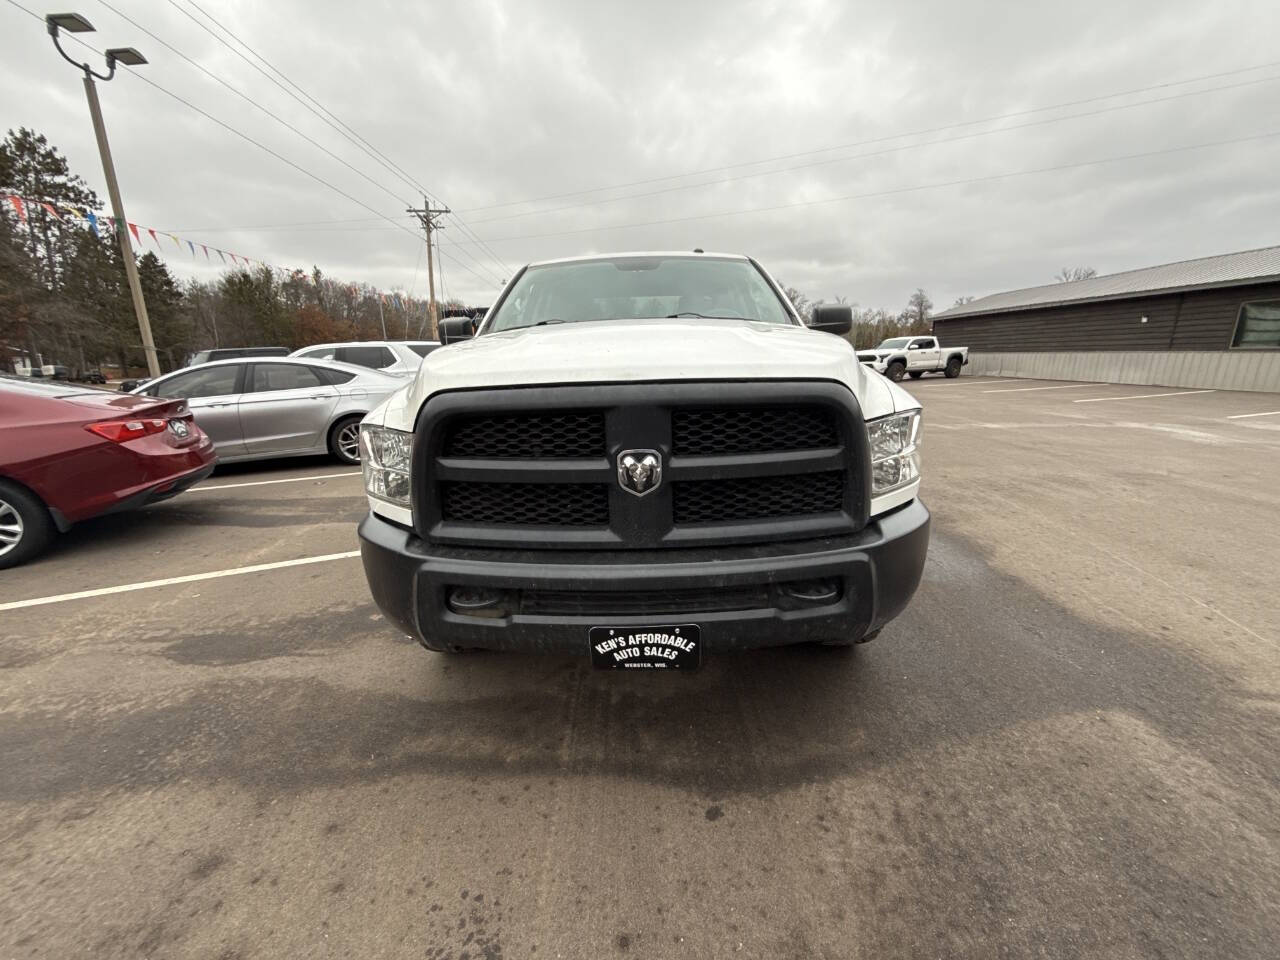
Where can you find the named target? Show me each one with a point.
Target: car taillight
(118, 431)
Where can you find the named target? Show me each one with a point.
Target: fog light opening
(478, 602)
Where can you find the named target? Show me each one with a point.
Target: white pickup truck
(640, 457)
(900, 356)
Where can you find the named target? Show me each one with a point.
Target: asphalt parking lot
(1068, 746)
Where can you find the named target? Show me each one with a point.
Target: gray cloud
(486, 103)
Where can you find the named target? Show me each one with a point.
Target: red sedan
(69, 453)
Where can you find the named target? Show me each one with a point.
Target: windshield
(894, 344)
(632, 288)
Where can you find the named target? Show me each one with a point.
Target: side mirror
(454, 329)
(832, 318)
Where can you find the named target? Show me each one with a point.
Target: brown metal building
(1212, 322)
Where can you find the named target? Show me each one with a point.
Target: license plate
(677, 647)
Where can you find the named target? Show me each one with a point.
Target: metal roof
(1224, 270)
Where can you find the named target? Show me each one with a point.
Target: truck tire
(25, 525)
(344, 439)
(896, 371)
(953, 368)
(916, 374)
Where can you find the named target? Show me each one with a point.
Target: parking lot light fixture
(129, 57)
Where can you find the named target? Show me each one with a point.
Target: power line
(244, 96)
(307, 100)
(864, 156)
(885, 193)
(884, 139)
(231, 129)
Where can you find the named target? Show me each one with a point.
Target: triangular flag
(206, 252)
(93, 223)
(73, 211)
(176, 242)
(49, 207)
(133, 228)
(154, 238)
(193, 248)
(17, 205)
(222, 255)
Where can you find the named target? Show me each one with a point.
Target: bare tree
(1068, 274)
(919, 305)
(961, 301)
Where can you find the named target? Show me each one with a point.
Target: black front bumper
(878, 568)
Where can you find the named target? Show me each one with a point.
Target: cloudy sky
(856, 149)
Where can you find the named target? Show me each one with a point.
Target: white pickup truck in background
(916, 356)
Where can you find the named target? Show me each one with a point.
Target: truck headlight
(895, 456)
(385, 455)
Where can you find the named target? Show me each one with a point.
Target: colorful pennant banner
(24, 207)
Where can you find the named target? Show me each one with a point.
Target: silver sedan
(258, 408)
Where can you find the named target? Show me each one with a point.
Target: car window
(374, 357)
(422, 349)
(921, 344)
(217, 381)
(320, 353)
(283, 376)
(334, 377)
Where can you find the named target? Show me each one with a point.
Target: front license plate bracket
(664, 647)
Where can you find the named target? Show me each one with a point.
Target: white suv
(399, 357)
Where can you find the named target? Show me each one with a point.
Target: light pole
(74, 23)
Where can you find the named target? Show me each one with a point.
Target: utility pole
(427, 217)
(74, 23)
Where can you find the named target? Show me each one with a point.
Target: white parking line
(263, 483)
(1066, 386)
(1144, 396)
(168, 581)
(1245, 416)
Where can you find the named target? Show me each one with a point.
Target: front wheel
(953, 368)
(897, 370)
(344, 439)
(25, 525)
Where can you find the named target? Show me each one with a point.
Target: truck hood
(637, 351)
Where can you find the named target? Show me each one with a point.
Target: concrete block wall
(1218, 370)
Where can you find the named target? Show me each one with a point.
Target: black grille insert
(537, 436)
(712, 431)
(535, 504)
(638, 603)
(757, 498)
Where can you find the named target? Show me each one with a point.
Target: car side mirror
(453, 329)
(832, 318)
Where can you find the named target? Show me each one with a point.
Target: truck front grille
(757, 498)
(531, 504)
(706, 432)
(639, 603)
(551, 436)
(537, 467)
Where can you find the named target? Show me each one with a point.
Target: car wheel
(897, 370)
(25, 525)
(953, 368)
(917, 374)
(344, 439)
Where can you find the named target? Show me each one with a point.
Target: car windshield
(632, 288)
(894, 344)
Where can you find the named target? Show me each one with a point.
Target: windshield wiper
(543, 323)
(704, 316)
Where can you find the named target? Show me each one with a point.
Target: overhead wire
(882, 139)
(326, 115)
(863, 156)
(244, 96)
(986, 178)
